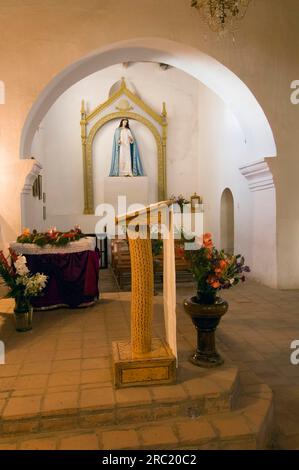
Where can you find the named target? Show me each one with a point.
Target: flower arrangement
(51, 237)
(21, 283)
(180, 200)
(214, 269)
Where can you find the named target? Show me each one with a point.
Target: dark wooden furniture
(121, 265)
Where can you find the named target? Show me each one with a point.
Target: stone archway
(252, 119)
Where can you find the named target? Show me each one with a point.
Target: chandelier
(221, 15)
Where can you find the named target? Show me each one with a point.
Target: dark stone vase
(206, 318)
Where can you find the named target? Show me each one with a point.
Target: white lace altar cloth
(84, 244)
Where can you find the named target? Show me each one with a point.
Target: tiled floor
(66, 357)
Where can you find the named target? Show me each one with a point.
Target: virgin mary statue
(125, 155)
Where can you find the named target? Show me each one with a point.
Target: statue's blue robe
(137, 169)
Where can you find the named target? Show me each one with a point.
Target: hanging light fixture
(221, 15)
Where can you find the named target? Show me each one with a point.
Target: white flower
(20, 265)
(35, 284)
(22, 280)
(232, 281)
(41, 279)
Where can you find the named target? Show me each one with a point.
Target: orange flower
(26, 231)
(215, 284)
(222, 265)
(69, 235)
(207, 241)
(213, 281)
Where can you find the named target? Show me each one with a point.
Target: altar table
(73, 272)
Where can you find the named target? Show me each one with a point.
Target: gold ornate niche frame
(156, 123)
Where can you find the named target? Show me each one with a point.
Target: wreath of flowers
(51, 237)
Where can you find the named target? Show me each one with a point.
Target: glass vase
(23, 314)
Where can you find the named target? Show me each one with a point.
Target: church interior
(149, 225)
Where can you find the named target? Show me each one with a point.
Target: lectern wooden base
(153, 368)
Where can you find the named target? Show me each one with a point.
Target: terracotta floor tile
(9, 370)
(68, 354)
(60, 402)
(80, 442)
(94, 363)
(127, 439)
(8, 446)
(7, 384)
(133, 396)
(66, 365)
(95, 375)
(23, 406)
(36, 368)
(31, 381)
(158, 436)
(97, 398)
(39, 444)
(193, 431)
(64, 378)
(229, 427)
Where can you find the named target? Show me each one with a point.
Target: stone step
(208, 392)
(249, 426)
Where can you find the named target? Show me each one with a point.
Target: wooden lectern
(145, 360)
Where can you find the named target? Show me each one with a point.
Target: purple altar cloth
(73, 278)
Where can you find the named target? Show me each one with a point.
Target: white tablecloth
(84, 244)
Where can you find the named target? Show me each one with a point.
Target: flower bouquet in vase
(22, 286)
(213, 270)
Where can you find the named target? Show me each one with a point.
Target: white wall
(32, 207)
(264, 237)
(222, 150)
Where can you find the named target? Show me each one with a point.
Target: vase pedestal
(205, 318)
(205, 356)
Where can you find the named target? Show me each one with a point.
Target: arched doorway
(252, 119)
(255, 129)
(227, 221)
